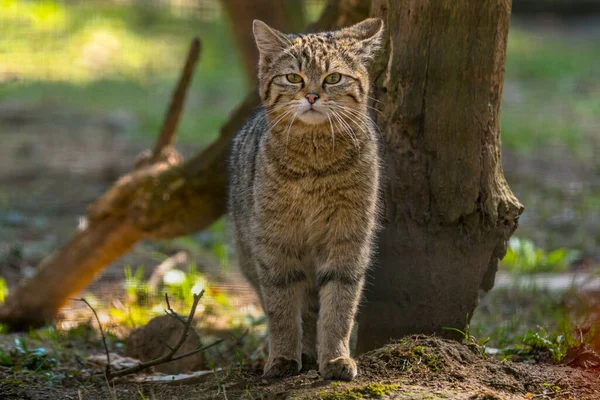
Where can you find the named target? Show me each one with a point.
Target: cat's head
(314, 75)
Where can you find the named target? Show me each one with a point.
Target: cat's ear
(367, 36)
(268, 40)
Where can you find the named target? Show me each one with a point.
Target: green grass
(523, 256)
(113, 58)
(527, 320)
(21, 356)
(552, 93)
(541, 345)
(550, 58)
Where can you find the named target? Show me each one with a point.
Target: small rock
(120, 122)
(28, 271)
(117, 362)
(312, 374)
(15, 218)
(148, 343)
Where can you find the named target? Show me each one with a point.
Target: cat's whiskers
(280, 118)
(354, 111)
(350, 128)
(374, 99)
(287, 137)
(366, 105)
(275, 108)
(346, 128)
(354, 115)
(360, 116)
(332, 133)
(342, 128)
(360, 124)
(357, 117)
(374, 109)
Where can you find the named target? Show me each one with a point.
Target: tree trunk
(343, 13)
(241, 13)
(448, 211)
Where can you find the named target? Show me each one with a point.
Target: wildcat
(304, 180)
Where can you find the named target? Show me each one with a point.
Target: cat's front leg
(340, 280)
(282, 282)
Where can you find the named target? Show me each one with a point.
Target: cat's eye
(334, 78)
(294, 78)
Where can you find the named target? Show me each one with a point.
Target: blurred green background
(84, 86)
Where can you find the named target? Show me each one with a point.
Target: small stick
(107, 370)
(169, 127)
(165, 344)
(171, 313)
(199, 349)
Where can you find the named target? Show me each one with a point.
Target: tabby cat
(304, 176)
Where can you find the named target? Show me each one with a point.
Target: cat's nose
(312, 97)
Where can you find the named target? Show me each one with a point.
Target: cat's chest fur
(302, 181)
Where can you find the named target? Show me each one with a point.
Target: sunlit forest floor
(84, 88)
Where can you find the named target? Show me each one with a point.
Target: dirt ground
(417, 367)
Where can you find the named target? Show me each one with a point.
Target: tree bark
(448, 211)
(342, 13)
(163, 198)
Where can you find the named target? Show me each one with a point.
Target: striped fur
(304, 191)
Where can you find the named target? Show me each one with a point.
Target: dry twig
(177, 100)
(171, 313)
(107, 369)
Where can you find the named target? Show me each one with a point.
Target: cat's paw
(341, 369)
(280, 367)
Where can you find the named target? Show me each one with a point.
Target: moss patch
(371, 391)
(410, 355)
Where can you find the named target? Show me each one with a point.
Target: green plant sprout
(523, 256)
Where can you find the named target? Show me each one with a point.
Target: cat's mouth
(312, 116)
(311, 109)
